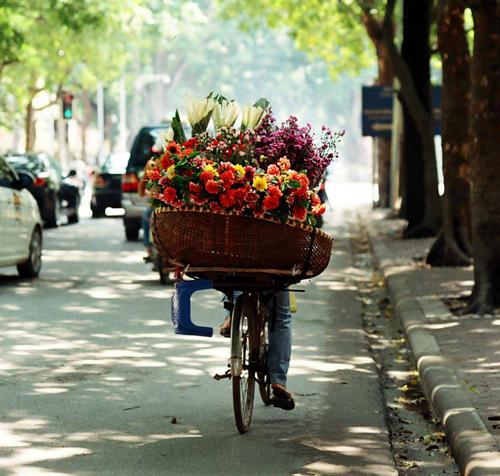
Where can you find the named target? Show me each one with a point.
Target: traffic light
(67, 105)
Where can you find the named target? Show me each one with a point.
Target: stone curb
(472, 445)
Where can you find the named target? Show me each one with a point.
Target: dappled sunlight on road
(90, 367)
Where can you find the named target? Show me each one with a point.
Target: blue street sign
(377, 110)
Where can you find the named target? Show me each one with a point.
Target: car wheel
(31, 269)
(97, 212)
(75, 217)
(52, 220)
(131, 231)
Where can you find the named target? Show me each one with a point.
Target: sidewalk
(458, 357)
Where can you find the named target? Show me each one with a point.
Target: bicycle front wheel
(242, 372)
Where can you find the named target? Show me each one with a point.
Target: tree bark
(452, 247)
(385, 78)
(29, 126)
(422, 202)
(485, 156)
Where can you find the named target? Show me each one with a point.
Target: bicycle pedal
(226, 374)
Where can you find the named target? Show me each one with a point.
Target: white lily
(169, 135)
(252, 115)
(225, 114)
(163, 138)
(198, 109)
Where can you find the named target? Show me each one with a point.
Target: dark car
(107, 184)
(54, 192)
(142, 149)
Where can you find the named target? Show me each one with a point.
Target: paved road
(91, 374)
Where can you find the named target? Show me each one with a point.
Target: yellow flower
(239, 170)
(171, 172)
(260, 183)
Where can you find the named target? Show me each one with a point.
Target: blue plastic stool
(181, 307)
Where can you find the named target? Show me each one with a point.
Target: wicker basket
(200, 239)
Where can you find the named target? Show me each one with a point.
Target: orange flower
(173, 148)
(153, 174)
(319, 209)
(273, 169)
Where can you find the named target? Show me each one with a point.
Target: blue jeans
(280, 336)
(146, 216)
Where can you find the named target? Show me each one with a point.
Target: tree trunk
(29, 126)
(485, 156)
(421, 186)
(452, 247)
(385, 78)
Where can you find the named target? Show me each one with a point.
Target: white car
(20, 223)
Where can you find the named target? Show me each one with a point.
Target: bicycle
(248, 361)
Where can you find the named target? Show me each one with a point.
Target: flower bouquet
(241, 197)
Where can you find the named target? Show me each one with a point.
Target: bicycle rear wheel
(263, 378)
(242, 372)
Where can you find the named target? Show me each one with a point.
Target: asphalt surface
(92, 375)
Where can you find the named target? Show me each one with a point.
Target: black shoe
(282, 399)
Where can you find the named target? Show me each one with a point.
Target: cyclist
(280, 347)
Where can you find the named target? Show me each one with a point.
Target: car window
(26, 163)
(7, 177)
(141, 148)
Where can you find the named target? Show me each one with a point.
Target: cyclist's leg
(146, 216)
(280, 337)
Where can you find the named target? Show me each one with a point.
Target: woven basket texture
(205, 239)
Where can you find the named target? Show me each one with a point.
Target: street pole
(122, 138)
(61, 136)
(100, 122)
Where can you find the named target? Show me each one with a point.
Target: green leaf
(263, 103)
(293, 184)
(179, 135)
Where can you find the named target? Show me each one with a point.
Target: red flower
(206, 176)
(191, 143)
(169, 195)
(227, 178)
(274, 191)
(227, 199)
(166, 160)
(252, 198)
(249, 172)
(215, 207)
(271, 202)
(299, 213)
(173, 148)
(273, 169)
(239, 195)
(212, 187)
(194, 187)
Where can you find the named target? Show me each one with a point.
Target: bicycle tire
(263, 378)
(242, 374)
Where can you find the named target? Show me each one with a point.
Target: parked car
(20, 222)
(134, 205)
(55, 192)
(107, 184)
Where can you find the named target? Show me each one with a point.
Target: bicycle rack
(181, 307)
